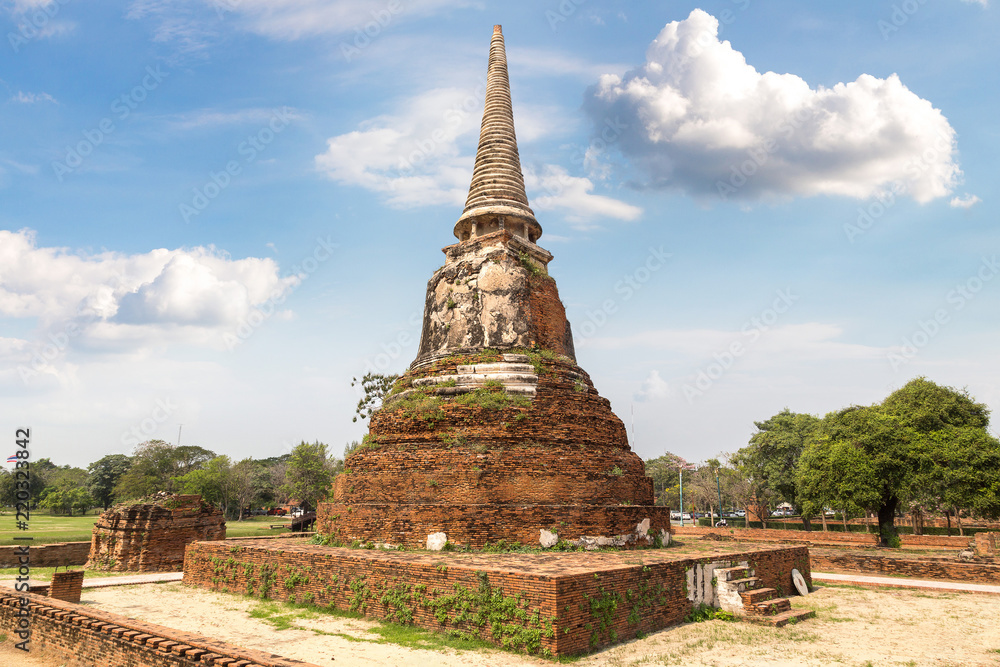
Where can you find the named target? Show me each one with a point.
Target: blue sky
(216, 212)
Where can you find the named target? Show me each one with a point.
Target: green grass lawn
(47, 528)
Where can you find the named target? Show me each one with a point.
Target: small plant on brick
(616, 471)
(451, 303)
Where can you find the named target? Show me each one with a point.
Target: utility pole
(680, 471)
(719, 489)
(179, 427)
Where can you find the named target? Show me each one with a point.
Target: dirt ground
(854, 626)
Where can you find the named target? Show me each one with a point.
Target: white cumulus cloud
(120, 303)
(653, 387)
(698, 118)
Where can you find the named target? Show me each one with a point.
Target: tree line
(304, 475)
(925, 449)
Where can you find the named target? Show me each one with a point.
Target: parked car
(260, 512)
(741, 512)
(277, 511)
(297, 511)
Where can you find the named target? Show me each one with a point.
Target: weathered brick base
(84, 637)
(151, 536)
(559, 603)
(476, 525)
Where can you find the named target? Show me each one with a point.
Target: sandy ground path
(853, 627)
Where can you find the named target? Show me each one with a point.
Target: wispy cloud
(966, 201)
(31, 98)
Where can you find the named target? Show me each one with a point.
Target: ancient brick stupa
(494, 433)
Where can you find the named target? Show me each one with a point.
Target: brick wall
(826, 538)
(48, 555)
(567, 602)
(988, 544)
(84, 637)
(151, 536)
(930, 568)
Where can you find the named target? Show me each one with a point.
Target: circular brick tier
(559, 461)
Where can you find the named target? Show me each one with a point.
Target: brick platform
(982, 570)
(48, 555)
(558, 603)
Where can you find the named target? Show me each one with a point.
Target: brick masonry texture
(983, 571)
(151, 536)
(48, 555)
(559, 603)
(84, 637)
(479, 474)
(988, 544)
(825, 538)
(66, 585)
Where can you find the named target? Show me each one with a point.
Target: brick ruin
(149, 535)
(494, 432)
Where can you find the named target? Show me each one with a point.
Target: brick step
(747, 584)
(770, 607)
(756, 595)
(731, 573)
(782, 619)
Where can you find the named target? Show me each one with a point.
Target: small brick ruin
(494, 432)
(149, 535)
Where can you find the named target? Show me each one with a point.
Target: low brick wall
(821, 537)
(48, 555)
(930, 568)
(988, 544)
(555, 603)
(83, 637)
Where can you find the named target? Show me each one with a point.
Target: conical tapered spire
(497, 199)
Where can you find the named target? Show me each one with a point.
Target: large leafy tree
(103, 476)
(309, 473)
(155, 464)
(771, 457)
(921, 437)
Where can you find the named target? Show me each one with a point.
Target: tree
(246, 478)
(155, 464)
(771, 458)
(104, 475)
(66, 500)
(212, 482)
(376, 387)
(665, 472)
(922, 436)
(308, 475)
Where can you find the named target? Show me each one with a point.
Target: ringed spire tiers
(497, 199)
